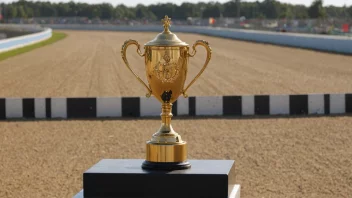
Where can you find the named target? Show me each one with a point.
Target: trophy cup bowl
(166, 64)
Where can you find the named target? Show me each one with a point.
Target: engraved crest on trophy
(165, 70)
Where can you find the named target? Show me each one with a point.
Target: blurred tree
(143, 12)
(21, 13)
(231, 9)
(349, 11)
(186, 10)
(29, 12)
(96, 13)
(316, 10)
(238, 6)
(11, 11)
(160, 10)
(271, 9)
(212, 10)
(300, 12)
(251, 10)
(63, 9)
(286, 12)
(106, 10)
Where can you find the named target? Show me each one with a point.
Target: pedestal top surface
(133, 166)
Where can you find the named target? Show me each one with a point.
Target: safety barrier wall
(336, 44)
(22, 27)
(21, 41)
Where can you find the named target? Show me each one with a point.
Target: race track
(275, 157)
(89, 64)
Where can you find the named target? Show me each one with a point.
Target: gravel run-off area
(275, 157)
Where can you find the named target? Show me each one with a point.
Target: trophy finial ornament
(166, 23)
(166, 60)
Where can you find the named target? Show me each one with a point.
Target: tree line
(267, 9)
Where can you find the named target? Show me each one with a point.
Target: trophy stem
(166, 113)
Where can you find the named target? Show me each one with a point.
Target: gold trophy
(166, 61)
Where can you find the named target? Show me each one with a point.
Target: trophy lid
(166, 38)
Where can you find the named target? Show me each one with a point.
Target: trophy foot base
(166, 166)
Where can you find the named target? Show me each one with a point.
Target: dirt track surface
(89, 64)
(288, 157)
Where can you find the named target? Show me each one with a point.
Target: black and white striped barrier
(311, 104)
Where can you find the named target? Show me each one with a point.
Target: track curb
(23, 41)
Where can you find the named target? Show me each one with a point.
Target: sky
(147, 2)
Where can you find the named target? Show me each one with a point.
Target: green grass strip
(56, 36)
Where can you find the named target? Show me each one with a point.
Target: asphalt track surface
(89, 64)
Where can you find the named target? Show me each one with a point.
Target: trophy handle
(124, 57)
(205, 44)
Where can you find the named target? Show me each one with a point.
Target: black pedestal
(124, 178)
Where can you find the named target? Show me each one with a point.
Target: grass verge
(56, 36)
